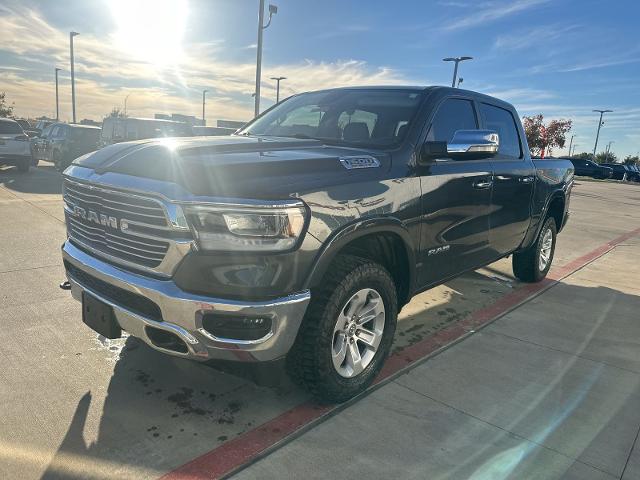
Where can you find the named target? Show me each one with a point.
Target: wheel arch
(384, 240)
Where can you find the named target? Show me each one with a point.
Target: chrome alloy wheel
(545, 250)
(358, 332)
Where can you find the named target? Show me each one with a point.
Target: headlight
(246, 228)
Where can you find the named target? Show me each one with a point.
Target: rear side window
(501, 121)
(453, 115)
(10, 127)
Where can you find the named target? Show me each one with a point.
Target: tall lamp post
(609, 146)
(571, 143)
(125, 104)
(457, 60)
(204, 122)
(57, 102)
(261, 26)
(73, 78)
(602, 112)
(277, 79)
(574, 149)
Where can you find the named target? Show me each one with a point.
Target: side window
(501, 121)
(55, 131)
(454, 114)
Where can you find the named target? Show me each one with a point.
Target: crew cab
(300, 237)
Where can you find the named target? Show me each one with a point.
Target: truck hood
(233, 166)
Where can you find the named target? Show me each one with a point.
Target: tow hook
(65, 285)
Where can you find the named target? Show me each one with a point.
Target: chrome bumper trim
(182, 313)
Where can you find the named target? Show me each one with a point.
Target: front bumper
(14, 159)
(182, 312)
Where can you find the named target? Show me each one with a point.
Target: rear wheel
(533, 264)
(347, 332)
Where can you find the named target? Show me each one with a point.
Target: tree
(606, 157)
(583, 156)
(117, 113)
(632, 160)
(5, 109)
(541, 137)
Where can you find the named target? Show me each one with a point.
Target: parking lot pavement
(77, 405)
(550, 390)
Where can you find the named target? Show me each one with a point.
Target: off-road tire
(526, 264)
(309, 362)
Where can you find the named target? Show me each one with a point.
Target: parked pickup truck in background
(587, 168)
(303, 235)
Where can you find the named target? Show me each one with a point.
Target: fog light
(236, 327)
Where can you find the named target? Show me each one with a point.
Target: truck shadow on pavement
(160, 412)
(41, 180)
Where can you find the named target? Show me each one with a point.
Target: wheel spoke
(339, 351)
(354, 359)
(356, 303)
(370, 338)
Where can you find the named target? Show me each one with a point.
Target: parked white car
(15, 148)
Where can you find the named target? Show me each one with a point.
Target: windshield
(366, 117)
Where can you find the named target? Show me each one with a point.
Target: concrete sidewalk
(550, 390)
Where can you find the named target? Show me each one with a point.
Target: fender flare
(561, 194)
(352, 231)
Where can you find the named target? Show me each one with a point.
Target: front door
(514, 178)
(456, 199)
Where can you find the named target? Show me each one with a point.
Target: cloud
(533, 37)
(106, 73)
(481, 13)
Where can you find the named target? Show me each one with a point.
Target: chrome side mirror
(469, 144)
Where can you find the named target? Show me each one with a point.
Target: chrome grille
(142, 243)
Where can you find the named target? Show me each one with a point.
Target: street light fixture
(204, 122)
(602, 112)
(261, 26)
(277, 79)
(457, 60)
(57, 102)
(73, 78)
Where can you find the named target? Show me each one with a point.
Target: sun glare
(151, 30)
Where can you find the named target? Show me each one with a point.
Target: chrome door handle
(482, 184)
(528, 179)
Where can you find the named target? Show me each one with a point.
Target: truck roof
(438, 89)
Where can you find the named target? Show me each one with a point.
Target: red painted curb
(234, 453)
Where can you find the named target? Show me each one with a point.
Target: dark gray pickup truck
(301, 236)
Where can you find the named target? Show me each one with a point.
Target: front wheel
(347, 332)
(533, 264)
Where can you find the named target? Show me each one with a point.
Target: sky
(561, 58)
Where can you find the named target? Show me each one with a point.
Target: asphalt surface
(77, 405)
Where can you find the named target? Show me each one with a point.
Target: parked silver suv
(15, 148)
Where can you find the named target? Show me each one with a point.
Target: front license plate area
(100, 317)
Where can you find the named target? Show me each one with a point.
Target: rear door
(456, 195)
(514, 178)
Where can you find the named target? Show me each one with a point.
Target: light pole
(455, 69)
(272, 11)
(602, 112)
(73, 78)
(609, 146)
(277, 79)
(574, 149)
(204, 122)
(57, 103)
(125, 104)
(571, 143)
